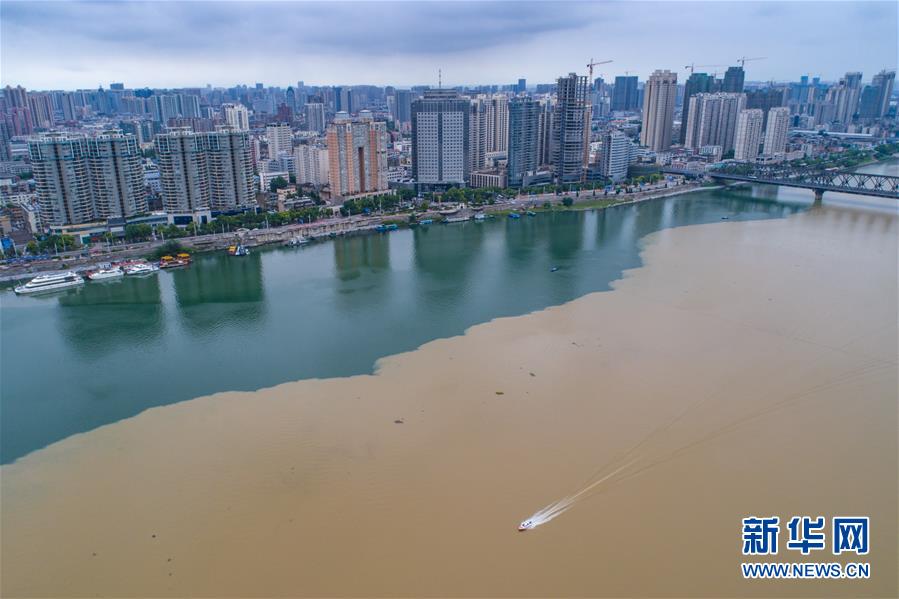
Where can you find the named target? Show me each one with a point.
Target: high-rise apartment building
(697, 83)
(713, 120)
(357, 153)
(570, 129)
(440, 138)
(477, 134)
(311, 164)
(777, 129)
(84, 179)
(659, 95)
(545, 132)
(524, 122)
(845, 96)
(615, 155)
(883, 82)
(765, 98)
(748, 135)
(280, 139)
(236, 116)
(315, 117)
(200, 171)
(497, 123)
(733, 80)
(625, 94)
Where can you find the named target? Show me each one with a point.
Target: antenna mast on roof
(439, 78)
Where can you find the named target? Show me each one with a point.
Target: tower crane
(692, 66)
(743, 60)
(592, 64)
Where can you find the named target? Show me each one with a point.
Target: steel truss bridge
(884, 186)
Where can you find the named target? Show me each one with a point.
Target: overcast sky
(72, 44)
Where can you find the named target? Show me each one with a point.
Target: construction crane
(692, 66)
(592, 64)
(743, 60)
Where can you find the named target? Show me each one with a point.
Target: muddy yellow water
(752, 364)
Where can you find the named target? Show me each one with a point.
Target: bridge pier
(819, 196)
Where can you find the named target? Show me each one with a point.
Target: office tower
(545, 132)
(477, 134)
(776, 130)
(748, 135)
(280, 139)
(83, 179)
(290, 98)
(883, 82)
(357, 152)
(522, 86)
(733, 80)
(659, 95)
(615, 155)
(697, 83)
(311, 164)
(236, 116)
(765, 99)
(624, 95)
(497, 123)
(315, 117)
(524, 121)
(440, 138)
(199, 171)
(570, 129)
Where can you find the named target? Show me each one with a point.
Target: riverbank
(755, 362)
(318, 230)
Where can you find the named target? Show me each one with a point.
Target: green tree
(567, 201)
(277, 183)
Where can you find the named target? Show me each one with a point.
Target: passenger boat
(140, 268)
(480, 216)
(426, 221)
(174, 261)
(456, 219)
(103, 274)
(53, 282)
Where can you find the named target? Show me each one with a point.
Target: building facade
(713, 120)
(357, 155)
(83, 179)
(777, 130)
(440, 138)
(524, 123)
(570, 129)
(659, 96)
(749, 134)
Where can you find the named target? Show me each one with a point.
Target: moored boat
(51, 282)
(140, 268)
(103, 274)
(238, 250)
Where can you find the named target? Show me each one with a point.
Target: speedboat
(140, 268)
(102, 274)
(526, 525)
(52, 282)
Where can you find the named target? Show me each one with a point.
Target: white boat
(140, 268)
(52, 282)
(526, 525)
(106, 273)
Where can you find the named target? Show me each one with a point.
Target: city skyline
(404, 43)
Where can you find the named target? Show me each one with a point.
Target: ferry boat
(106, 273)
(174, 261)
(53, 282)
(455, 219)
(238, 250)
(140, 268)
